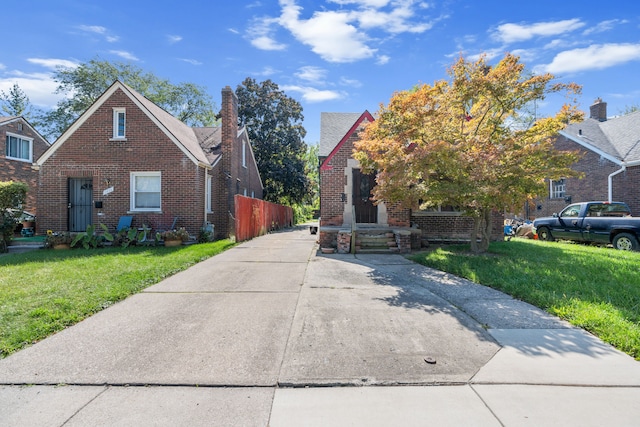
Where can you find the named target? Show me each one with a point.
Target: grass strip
(45, 291)
(594, 288)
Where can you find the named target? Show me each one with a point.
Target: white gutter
(206, 182)
(610, 180)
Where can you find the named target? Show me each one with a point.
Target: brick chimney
(228, 141)
(598, 111)
(229, 117)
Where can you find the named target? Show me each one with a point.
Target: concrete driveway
(264, 334)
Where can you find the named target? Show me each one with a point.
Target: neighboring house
(127, 156)
(345, 191)
(21, 146)
(610, 162)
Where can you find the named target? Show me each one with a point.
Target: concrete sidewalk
(273, 333)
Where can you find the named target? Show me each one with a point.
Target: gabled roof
(617, 139)
(338, 127)
(180, 133)
(333, 127)
(210, 139)
(10, 119)
(7, 119)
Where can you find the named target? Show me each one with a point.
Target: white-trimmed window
(19, 148)
(119, 123)
(557, 189)
(209, 187)
(145, 191)
(244, 153)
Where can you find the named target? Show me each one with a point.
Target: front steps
(376, 241)
(369, 239)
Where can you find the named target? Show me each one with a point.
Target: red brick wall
(594, 184)
(332, 187)
(230, 176)
(452, 226)
(88, 152)
(19, 171)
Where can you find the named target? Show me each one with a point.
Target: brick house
(345, 192)
(610, 162)
(127, 156)
(21, 146)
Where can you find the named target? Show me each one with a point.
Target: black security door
(80, 199)
(366, 211)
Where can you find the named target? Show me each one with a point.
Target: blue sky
(333, 55)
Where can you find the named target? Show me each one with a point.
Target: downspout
(622, 169)
(206, 183)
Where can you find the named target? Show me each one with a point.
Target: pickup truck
(592, 222)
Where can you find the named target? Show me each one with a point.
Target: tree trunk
(482, 227)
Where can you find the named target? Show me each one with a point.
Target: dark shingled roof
(618, 137)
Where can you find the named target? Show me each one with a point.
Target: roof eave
(590, 147)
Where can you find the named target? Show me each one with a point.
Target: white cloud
(190, 61)
(2, 66)
(124, 54)
(382, 59)
(233, 30)
(597, 56)
(604, 26)
(39, 87)
(267, 43)
(53, 63)
(312, 74)
(173, 38)
(329, 34)
(368, 3)
(395, 22)
(261, 34)
(100, 30)
(340, 35)
(267, 71)
(312, 95)
(510, 33)
(350, 82)
(93, 29)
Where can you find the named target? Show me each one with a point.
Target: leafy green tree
(274, 123)
(15, 102)
(460, 142)
(311, 169)
(84, 84)
(628, 109)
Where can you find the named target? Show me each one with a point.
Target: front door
(80, 199)
(366, 211)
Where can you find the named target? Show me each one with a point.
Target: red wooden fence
(255, 217)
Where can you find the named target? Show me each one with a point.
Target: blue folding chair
(124, 223)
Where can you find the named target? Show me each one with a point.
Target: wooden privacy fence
(255, 217)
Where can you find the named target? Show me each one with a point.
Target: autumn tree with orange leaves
(465, 142)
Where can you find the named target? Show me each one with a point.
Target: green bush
(12, 197)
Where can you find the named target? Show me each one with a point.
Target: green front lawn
(594, 288)
(44, 291)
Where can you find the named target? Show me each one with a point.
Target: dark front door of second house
(366, 211)
(80, 200)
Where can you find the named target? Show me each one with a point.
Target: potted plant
(58, 240)
(174, 237)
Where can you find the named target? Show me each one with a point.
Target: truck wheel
(625, 242)
(544, 234)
